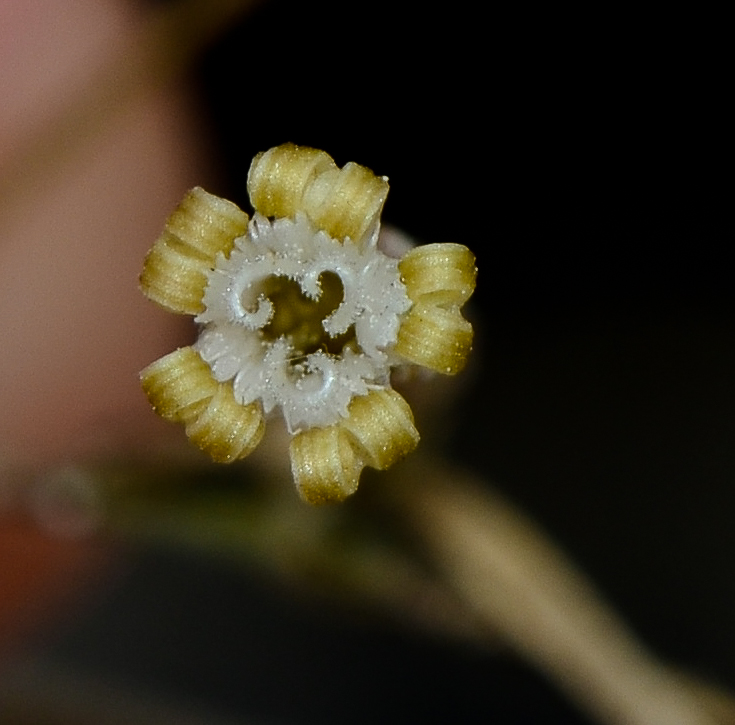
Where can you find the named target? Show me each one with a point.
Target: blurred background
(577, 155)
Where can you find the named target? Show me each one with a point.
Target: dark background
(577, 153)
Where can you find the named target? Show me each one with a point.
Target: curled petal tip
(440, 274)
(178, 385)
(207, 223)
(434, 337)
(381, 423)
(175, 270)
(226, 430)
(174, 276)
(279, 177)
(324, 464)
(345, 203)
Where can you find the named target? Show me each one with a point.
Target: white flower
(302, 313)
(270, 358)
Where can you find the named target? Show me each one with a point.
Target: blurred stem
(335, 553)
(430, 545)
(512, 577)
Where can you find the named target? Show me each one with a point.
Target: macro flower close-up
(544, 531)
(301, 313)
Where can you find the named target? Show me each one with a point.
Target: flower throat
(299, 318)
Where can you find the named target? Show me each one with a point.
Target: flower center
(300, 319)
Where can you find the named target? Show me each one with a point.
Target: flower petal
(436, 338)
(278, 178)
(179, 384)
(207, 223)
(381, 423)
(346, 202)
(226, 430)
(175, 269)
(324, 464)
(174, 276)
(342, 202)
(441, 274)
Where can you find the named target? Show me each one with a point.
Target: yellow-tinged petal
(442, 274)
(225, 429)
(381, 423)
(174, 276)
(434, 337)
(324, 464)
(278, 178)
(207, 223)
(179, 384)
(175, 269)
(342, 202)
(346, 202)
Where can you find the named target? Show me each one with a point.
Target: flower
(302, 313)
